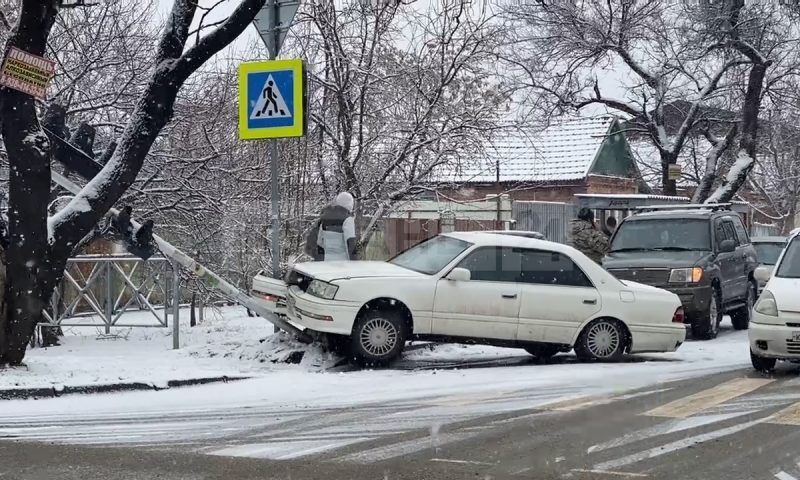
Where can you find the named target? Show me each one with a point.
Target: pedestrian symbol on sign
(270, 103)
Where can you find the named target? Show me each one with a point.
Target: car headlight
(686, 275)
(321, 289)
(766, 304)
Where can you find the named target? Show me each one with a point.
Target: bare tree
(397, 93)
(764, 34)
(563, 47)
(39, 247)
(703, 54)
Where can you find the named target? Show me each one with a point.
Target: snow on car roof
(487, 238)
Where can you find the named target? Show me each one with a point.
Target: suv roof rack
(692, 206)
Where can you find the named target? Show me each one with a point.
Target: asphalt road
(737, 425)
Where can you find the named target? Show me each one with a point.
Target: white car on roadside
(488, 288)
(775, 324)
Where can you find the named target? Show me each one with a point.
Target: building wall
(600, 184)
(563, 193)
(542, 193)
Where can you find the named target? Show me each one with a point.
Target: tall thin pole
(272, 148)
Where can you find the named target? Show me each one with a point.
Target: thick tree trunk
(712, 160)
(748, 142)
(28, 268)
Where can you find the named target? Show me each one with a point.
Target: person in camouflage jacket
(585, 236)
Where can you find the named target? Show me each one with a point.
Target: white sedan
(489, 288)
(775, 323)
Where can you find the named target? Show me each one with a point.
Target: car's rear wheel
(706, 327)
(762, 364)
(542, 351)
(603, 339)
(378, 337)
(740, 318)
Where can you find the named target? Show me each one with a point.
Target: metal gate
(551, 219)
(98, 289)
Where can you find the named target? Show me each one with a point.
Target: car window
(741, 233)
(790, 263)
(730, 232)
(551, 268)
(662, 234)
(431, 255)
(721, 233)
(494, 264)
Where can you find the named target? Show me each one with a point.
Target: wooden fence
(401, 234)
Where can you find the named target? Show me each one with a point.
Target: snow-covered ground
(229, 343)
(233, 344)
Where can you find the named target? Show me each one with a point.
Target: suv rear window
(662, 234)
(767, 252)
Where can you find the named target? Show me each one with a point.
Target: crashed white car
(488, 288)
(775, 323)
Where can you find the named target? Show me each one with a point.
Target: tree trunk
(748, 142)
(28, 269)
(712, 160)
(668, 187)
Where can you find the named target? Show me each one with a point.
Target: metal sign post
(273, 22)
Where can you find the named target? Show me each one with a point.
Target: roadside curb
(60, 390)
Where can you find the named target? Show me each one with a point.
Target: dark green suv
(702, 254)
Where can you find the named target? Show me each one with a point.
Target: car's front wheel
(603, 339)
(706, 327)
(378, 337)
(762, 364)
(740, 318)
(542, 351)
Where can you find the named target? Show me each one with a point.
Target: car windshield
(662, 234)
(768, 253)
(790, 264)
(432, 255)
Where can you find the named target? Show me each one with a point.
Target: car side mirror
(727, 246)
(459, 275)
(763, 274)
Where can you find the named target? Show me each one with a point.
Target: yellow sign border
(296, 130)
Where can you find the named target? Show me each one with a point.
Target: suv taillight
(679, 316)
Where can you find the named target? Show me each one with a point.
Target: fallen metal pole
(207, 276)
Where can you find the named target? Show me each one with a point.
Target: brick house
(575, 155)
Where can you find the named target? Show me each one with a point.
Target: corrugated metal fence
(551, 219)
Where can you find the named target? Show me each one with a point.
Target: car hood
(785, 292)
(640, 286)
(654, 259)
(329, 271)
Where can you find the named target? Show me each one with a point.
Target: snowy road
(573, 418)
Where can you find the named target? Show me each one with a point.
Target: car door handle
(592, 301)
(510, 296)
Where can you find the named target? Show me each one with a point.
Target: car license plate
(796, 336)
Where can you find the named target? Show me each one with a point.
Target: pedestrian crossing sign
(271, 99)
